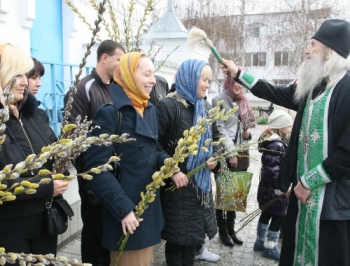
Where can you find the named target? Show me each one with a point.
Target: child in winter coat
(273, 150)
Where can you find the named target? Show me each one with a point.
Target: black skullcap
(335, 33)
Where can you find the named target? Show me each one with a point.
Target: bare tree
(224, 30)
(241, 28)
(291, 28)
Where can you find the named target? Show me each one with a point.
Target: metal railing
(58, 79)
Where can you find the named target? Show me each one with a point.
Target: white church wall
(16, 19)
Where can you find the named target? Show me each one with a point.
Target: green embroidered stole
(312, 150)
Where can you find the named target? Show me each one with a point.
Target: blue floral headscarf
(187, 79)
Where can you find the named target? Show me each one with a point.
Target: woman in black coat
(188, 210)
(23, 221)
(273, 149)
(139, 160)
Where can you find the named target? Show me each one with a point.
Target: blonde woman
(23, 221)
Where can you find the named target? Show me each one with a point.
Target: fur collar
(178, 98)
(29, 105)
(273, 137)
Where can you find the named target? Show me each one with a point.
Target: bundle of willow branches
(250, 217)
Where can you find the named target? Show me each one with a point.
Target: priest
(317, 163)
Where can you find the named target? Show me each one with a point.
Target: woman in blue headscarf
(188, 211)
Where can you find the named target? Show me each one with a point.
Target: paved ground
(238, 255)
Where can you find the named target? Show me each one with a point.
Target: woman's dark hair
(38, 69)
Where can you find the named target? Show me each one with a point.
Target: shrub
(262, 120)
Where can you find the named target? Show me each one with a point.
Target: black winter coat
(273, 151)
(26, 136)
(187, 221)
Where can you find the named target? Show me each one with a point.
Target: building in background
(170, 35)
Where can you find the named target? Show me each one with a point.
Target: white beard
(310, 74)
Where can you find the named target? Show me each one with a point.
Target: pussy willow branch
(94, 4)
(250, 217)
(221, 156)
(26, 186)
(32, 259)
(6, 93)
(101, 10)
(76, 11)
(150, 50)
(72, 132)
(142, 22)
(5, 111)
(157, 51)
(163, 62)
(218, 156)
(115, 28)
(128, 26)
(185, 146)
(68, 108)
(104, 22)
(61, 148)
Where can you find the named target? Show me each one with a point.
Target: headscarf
(187, 79)
(124, 75)
(245, 109)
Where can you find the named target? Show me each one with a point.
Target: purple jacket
(273, 151)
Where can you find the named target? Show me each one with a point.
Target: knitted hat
(280, 119)
(335, 33)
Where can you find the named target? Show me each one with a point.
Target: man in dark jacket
(317, 230)
(92, 91)
(159, 90)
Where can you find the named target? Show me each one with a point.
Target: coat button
(122, 212)
(141, 147)
(152, 144)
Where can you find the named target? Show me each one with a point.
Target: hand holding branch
(130, 223)
(59, 187)
(245, 134)
(233, 162)
(180, 179)
(211, 164)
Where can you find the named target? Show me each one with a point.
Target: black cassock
(334, 235)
